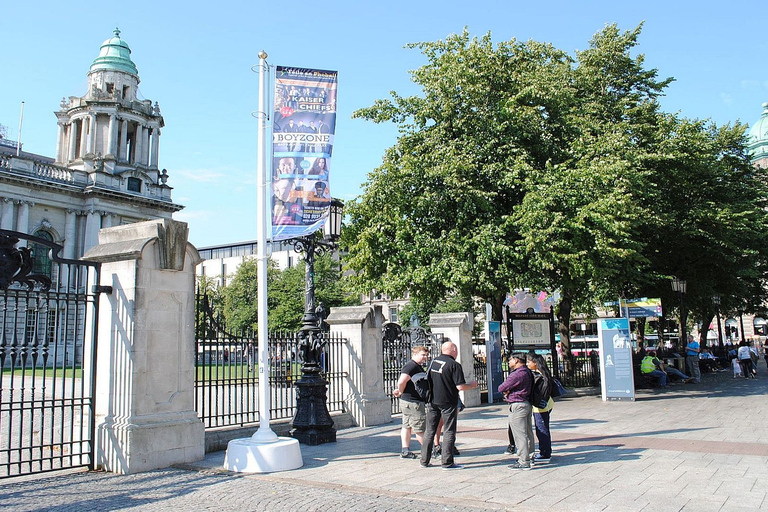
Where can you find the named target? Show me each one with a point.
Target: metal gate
(48, 315)
(397, 344)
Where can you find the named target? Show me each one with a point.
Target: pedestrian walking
(745, 360)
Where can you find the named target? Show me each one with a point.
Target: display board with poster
(531, 331)
(493, 360)
(616, 376)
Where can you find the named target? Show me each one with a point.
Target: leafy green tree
(209, 303)
(287, 292)
(520, 166)
(579, 220)
(710, 220)
(434, 219)
(241, 294)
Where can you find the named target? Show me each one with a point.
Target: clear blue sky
(195, 58)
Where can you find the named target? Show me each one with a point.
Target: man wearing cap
(517, 392)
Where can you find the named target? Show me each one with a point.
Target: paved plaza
(693, 447)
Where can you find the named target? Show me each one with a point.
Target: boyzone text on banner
(304, 123)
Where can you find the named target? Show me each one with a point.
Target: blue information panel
(493, 361)
(617, 379)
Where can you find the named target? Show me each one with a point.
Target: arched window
(41, 261)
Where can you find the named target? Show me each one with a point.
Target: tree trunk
(563, 314)
(640, 326)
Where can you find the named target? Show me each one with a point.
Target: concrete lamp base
(249, 456)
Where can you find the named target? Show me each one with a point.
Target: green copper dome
(115, 56)
(758, 136)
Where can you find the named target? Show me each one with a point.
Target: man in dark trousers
(446, 378)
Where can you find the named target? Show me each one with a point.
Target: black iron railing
(48, 315)
(226, 372)
(396, 346)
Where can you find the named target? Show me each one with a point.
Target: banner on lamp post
(303, 128)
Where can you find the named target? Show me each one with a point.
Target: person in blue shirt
(692, 359)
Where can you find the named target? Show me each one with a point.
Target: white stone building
(105, 171)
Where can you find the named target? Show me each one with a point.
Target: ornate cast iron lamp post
(680, 286)
(312, 423)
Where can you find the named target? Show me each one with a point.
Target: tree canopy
(285, 293)
(522, 166)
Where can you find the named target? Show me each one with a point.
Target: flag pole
(264, 433)
(264, 451)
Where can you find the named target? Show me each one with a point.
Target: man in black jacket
(446, 378)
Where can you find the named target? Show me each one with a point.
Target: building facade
(105, 171)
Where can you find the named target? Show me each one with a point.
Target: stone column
(106, 220)
(122, 150)
(145, 401)
(72, 149)
(92, 227)
(364, 366)
(145, 147)
(457, 327)
(138, 140)
(60, 142)
(22, 221)
(83, 136)
(112, 139)
(6, 221)
(70, 232)
(155, 146)
(70, 246)
(91, 133)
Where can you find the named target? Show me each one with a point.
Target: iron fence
(48, 315)
(226, 372)
(396, 346)
(481, 373)
(581, 372)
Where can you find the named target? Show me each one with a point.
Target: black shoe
(437, 451)
(407, 454)
(511, 450)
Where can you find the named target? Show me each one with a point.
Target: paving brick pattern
(698, 447)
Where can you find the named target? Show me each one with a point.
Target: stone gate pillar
(145, 410)
(457, 327)
(363, 363)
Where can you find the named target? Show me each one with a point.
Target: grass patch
(66, 373)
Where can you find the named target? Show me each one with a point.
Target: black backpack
(422, 385)
(541, 391)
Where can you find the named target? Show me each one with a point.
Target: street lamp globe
(333, 224)
(679, 285)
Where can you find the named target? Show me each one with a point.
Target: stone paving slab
(692, 448)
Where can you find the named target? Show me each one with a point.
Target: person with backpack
(411, 400)
(541, 404)
(446, 379)
(517, 392)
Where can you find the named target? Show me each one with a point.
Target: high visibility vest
(647, 365)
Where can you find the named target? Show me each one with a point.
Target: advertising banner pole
(264, 451)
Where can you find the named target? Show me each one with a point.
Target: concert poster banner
(303, 128)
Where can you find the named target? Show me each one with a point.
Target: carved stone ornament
(16, 266)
